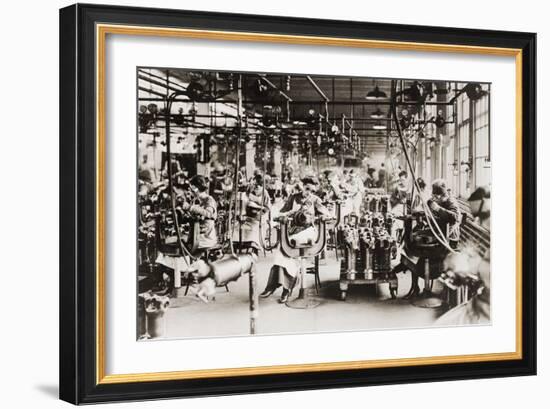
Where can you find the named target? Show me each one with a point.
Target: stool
(315, 271)
(332, 242)
(427, 299)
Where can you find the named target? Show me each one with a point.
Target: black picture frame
(78, 197)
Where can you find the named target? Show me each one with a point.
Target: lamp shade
(376, 93)
(378, 114)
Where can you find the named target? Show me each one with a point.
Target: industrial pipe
(319, 91)
(225, 270)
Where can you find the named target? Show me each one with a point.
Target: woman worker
(256, 206)
(204, 208)
(329, 190)
(358, 191)
(302, 208)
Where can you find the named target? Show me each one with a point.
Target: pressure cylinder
(231, 268)
(155, 308)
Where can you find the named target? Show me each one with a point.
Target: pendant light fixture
(376, 93)
(377, 114)
(380, 126)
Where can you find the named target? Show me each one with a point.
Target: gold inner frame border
(102, 30)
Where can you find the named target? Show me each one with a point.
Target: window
(450, 165)
(463, 146)
(482, 164)
(428, 165)
(467, 144)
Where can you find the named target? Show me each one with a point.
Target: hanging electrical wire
(237, 154)
(182, 246)
(260, 230)
(440, 237)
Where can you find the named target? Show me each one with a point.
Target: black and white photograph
(288, 203)
(275, 204)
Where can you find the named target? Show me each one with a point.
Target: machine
(368, 248)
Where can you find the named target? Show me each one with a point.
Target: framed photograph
(257, 203)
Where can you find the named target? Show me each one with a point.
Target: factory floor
(366, 308)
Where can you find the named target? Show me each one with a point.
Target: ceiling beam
(316, 87)
(268, 82)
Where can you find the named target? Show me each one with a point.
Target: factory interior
(282, 203)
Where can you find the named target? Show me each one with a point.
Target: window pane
(481, 136)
